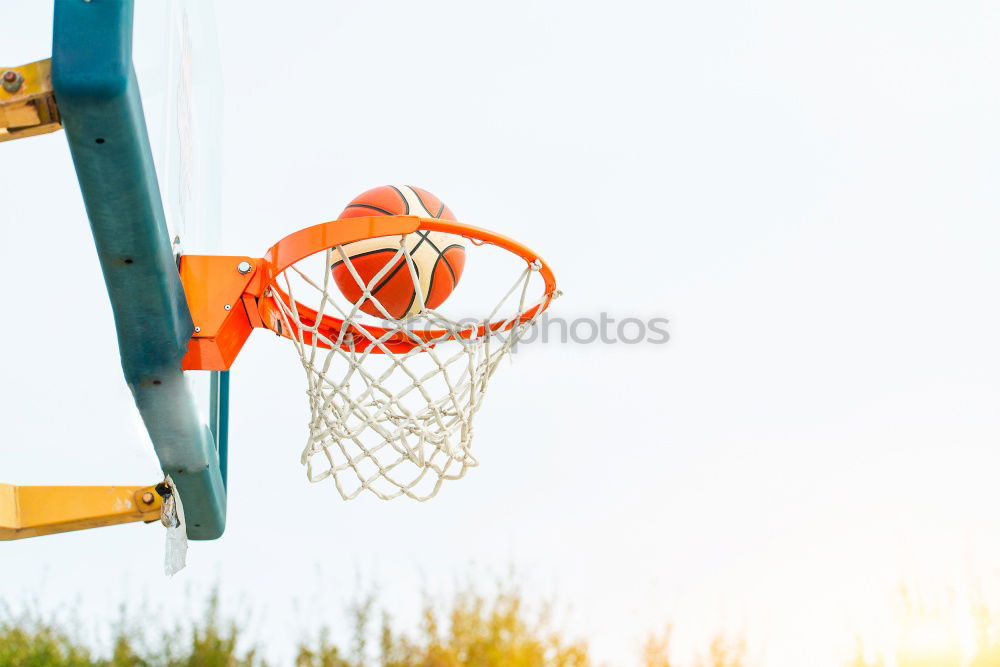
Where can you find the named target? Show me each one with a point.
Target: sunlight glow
(930, 641)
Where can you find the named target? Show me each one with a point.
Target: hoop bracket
(221, 293)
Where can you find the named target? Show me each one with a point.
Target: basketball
(437, 257)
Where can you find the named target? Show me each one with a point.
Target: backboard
(180, 80)
(145, 206)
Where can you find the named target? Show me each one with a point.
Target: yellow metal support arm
(27, 104)
(30, 511)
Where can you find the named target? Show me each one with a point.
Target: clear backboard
(181, 76)
(180, 79)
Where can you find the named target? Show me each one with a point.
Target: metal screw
(197, 329)
(228, 307)
(244, 267)
(147, 497)
(12, 81)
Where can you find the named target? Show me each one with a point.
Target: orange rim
(319, 238)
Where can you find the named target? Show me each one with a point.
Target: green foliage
(210, 643)
(486, 632)
(472, 629)
(469, 629)
(28, 642)
(324, 654)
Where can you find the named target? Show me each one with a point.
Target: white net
(392, 405)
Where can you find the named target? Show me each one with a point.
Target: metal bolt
(244, 267)
(147, 497)
(228, 307)
(197, 329)
(12, 81)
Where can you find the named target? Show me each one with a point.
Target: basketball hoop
(392, 401)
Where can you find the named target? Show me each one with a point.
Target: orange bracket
(222, 295)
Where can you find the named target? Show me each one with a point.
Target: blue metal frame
(98, 97)
(220, 420)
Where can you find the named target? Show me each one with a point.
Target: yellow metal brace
(30, 511)
(27, 104)
(28, 108)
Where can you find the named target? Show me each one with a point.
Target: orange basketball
(437, 257)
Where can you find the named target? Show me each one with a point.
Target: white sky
(806, 190)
